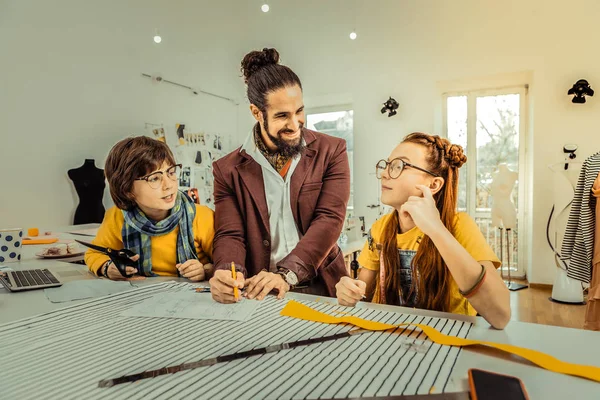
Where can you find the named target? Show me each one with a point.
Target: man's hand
(261, 285)
(222, 284)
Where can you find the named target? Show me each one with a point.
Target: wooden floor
(533, 305)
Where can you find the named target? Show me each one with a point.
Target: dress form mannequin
(564, 290)
(504, 212)
(89, 184)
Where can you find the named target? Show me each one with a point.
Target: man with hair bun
(280, 199)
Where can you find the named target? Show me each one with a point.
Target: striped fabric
(578, 242)
(63, 354)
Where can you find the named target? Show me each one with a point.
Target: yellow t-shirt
(466, 232)
(164, 248)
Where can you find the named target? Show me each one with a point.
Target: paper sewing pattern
(85, 289)
(191, 305)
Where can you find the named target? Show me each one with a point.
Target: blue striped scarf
(138, 230)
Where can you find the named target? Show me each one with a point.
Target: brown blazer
(320, 189)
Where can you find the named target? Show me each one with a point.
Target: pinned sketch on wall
(157, 130)
(205, 158)
(180, 133)
(198, 159)
(194, 139)
(197, 151)
(159, 134)
(217, 142)
(199, 177)
(183, 157)
(208, 197)
(209, 177)
(185, 179)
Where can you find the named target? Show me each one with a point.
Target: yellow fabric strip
(297, 310)
(39, 241)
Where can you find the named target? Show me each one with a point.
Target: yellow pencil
(234, 276)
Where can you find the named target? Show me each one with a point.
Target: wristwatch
(289, 276)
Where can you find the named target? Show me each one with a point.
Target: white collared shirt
(284, 232)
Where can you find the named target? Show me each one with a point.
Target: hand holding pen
(224, 286)
(350, 291)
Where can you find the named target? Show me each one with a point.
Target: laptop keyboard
(33, 277)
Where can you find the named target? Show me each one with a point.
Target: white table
(571, 345)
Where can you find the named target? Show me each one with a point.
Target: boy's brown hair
(130, 159)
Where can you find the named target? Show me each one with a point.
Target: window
(338, 123)
(490, 125)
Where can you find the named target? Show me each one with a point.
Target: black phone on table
(486, 385)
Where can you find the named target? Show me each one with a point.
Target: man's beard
(286, 148)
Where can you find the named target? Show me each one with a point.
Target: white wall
(71, 87)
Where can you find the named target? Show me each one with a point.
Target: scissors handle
(121, 260)
(126, 253)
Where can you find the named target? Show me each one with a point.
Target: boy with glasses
(168, 232)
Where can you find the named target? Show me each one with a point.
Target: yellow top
(467, 233)
(164, 248)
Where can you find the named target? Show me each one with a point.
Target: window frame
(523, 179)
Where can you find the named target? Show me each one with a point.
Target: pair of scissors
(119, 257)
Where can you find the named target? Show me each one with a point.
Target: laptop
(30, 279)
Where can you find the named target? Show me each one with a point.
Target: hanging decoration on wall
(158, 79)
(390, 106)
(580, 89)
